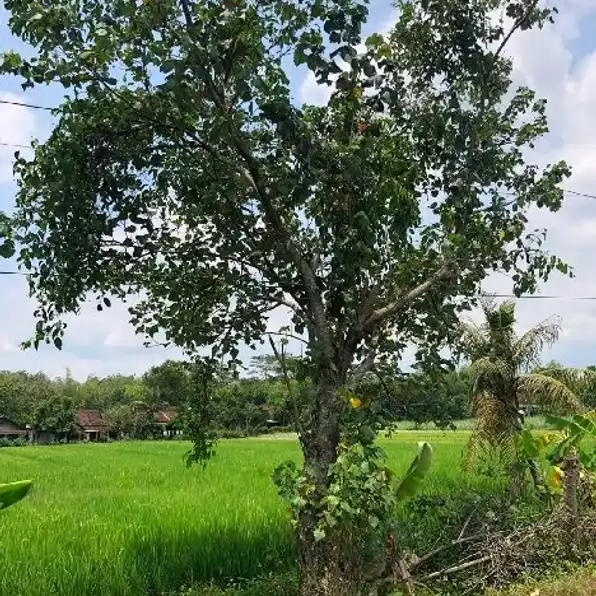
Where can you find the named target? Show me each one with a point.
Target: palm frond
(474, 341)
(549, 392)
(490, 374)
(500, 317)
(573, 378)
(527, 349)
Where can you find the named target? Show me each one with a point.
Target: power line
(49, 109)
(15, 145)
(527, 297)
(22, 104)
(539, 297)
(580, 194)
(20, 146)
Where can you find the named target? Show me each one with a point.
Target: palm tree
(505, 374)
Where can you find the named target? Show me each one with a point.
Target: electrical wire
(15, 145)
(539, 297)
(527, 297)
(22, 104)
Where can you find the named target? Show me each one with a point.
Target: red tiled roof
(164, 416)
(89, 419)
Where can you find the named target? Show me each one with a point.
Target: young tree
(55, 414)
(504, 376)
(181, 168)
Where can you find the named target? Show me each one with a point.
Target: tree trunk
(571, 483)
(324, 570)
(321, 570)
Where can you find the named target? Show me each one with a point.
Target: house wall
(9, 428)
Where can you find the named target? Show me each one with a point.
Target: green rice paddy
(129, 519)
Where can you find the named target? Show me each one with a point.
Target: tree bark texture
(324, 564)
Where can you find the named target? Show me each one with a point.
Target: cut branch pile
(492, 558)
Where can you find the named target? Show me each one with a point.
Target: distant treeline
(240, 406)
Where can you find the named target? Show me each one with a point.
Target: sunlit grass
(129, 519)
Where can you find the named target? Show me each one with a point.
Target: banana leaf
(577, 428)
(412, 481)
(577, 424)
(13, 492)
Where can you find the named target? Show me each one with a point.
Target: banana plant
(13, 492)
(410, 484)
(574, 431)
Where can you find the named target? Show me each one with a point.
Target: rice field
(129, 519)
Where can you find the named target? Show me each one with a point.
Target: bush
(16, 442)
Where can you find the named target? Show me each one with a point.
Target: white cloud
(314, 94)
(96, 343)
(17, 127)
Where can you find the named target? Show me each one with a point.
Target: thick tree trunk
(323, 569)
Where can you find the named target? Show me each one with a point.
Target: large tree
(167, 383)
(182, 168)
(55, 414)
(506, 375)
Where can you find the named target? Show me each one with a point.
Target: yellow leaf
(355, 402)
(535, 593)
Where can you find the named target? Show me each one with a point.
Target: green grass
(128, 519)
(531, 422)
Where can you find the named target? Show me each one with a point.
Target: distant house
(91, 424)
(165, 420)
(11, 430)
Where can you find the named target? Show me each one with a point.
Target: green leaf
(13, 492)
(319, 534)
(416, 474)
(7, 249)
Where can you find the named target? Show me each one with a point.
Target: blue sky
(559, 62)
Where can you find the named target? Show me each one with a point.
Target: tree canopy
(181, 166)
(182, 169)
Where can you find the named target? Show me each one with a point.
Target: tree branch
(368, 363)
(433, 553)
(456, 568)
(187, 13)
(284, 369)
(253, 176)
(447, 271)
(513, 29)
(290, 335)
